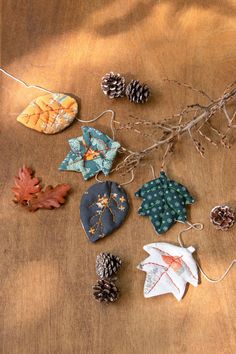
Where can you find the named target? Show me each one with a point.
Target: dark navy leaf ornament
(164, 202)
(103, 208)
(91, 153)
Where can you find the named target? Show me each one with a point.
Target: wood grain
(46, 263)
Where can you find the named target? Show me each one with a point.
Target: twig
(190, 88)
(192, 119)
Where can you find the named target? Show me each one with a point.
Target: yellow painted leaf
(50, 113)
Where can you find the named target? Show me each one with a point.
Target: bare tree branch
(191, 120)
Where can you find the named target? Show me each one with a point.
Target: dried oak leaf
(25, 186)
(50, 198)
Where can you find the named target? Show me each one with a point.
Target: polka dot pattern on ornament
(164, 202)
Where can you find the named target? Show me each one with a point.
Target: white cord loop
(99, 116)
(23, 82)
(48, 91)
(121, 184)
(220, 278)
(196, 226)
(199, 226)
(151, 167)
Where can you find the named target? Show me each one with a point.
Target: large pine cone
(223, 217)
(113, 85)
(105, 291)
(107, 265)
(136, 92)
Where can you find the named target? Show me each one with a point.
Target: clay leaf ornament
(103, 208)
(169, 268)
(28, 192)
(50, 198)
(26, 185)
(164, 202)
(91, 153)
(50, 113)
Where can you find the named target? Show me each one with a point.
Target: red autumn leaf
(50, 198)
(25, 186)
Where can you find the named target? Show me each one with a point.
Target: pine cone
(107, 265)
(113, 85)
(223, 217)
(136, 92)
(105, 291)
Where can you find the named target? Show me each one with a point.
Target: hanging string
(219, 279)
(99, 116)
(153, 170)
(121, 184)
(132, 176)
(4, 71)
(198, 226)
(23, 82)
(151, 167)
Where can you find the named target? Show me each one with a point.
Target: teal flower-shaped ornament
(91, 153)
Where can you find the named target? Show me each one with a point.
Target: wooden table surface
(47, 265)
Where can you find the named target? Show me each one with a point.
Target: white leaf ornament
(169, 268)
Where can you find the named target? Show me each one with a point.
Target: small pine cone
(113, 85)
(136, 92)
(223, 217)
(107, 265)
(105, 291)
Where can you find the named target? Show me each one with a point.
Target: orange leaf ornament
(50, 198)
(50, 113)
(25, 186)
